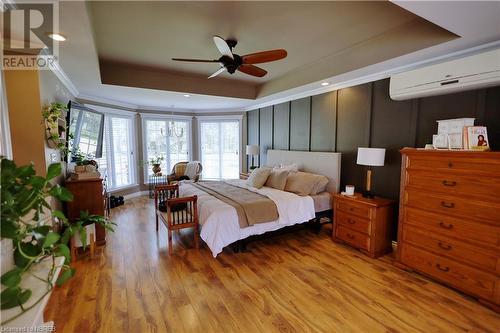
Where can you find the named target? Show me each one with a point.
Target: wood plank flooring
(295, 282)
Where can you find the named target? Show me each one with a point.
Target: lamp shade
(252, 150)
(371, 156)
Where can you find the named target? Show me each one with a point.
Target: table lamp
(252, 150)
(370, 157)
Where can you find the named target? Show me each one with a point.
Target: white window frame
(113, 113)
(161, 117)
(228, 118)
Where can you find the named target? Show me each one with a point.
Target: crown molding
(106, 102)
(61, 75)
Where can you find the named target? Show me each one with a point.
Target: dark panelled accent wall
(365, 116)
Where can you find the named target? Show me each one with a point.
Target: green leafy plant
(157, 159)
(24, 198)
(84, 220)
(52, 114)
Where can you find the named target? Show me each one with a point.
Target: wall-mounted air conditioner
(468, 73)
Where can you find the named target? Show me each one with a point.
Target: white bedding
(219, 221)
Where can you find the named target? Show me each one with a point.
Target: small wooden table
(366, 224)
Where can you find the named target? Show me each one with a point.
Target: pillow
(191, 170)
(305, 183)
(258, 177)
(277, 179)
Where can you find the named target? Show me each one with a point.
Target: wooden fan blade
(265, 56)
(252, 70)
(220, 70)
(222, 46)
(194, 60)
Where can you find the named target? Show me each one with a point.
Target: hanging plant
(55, 126)
(23, 199)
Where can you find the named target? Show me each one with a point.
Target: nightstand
(244, 175)
(363, 223)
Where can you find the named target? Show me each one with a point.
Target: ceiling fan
(232, 62)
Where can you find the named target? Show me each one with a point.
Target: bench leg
(156, 215)
(170, 247)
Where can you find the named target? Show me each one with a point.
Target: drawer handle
(441, 268)
(445, 226)
(450, 165)
(352, 208)
(447, 204)
(444, 246)
(351, 221)
(350, 236)
(449, 183)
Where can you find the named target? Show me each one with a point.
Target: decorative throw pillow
(258, 177)
(277, 179)
(305, 183)
(290, 167)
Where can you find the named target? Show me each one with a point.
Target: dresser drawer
(453, 205)
(453, 183)
(461, 276)
(453, 248)
(487, 164)
(358, 209)
(353, 222)
(481, 234)
(352, 237)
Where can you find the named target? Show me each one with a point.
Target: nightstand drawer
(352, 237)
(354, 222)
(354, 208)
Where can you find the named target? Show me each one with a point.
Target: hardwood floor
(295, 282)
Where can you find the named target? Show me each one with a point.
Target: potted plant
(24, 200)
(155, 162)
(55, 125)
(82, 227)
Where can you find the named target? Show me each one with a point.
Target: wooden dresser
(449, 219)
(365, 224)
(88, 194)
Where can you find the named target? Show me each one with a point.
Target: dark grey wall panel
(253, 132)
(281, 126)
(323, 119)
(492, 117)
(265, 132)
(353, 131)
(449, 106)
(300, 116)
(392, 128)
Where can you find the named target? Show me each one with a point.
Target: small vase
(156, 169)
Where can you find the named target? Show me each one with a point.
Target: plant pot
(79, 168)
(156, 169)
(89, 229)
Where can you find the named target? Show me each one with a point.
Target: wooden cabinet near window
(365, 224)
(90, 195)
(449, 219)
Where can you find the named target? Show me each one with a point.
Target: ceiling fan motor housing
(231, 64)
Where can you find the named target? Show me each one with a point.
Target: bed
(219, 220)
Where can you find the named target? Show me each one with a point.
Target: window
(220, 148)
(118, 161)
(168, 138)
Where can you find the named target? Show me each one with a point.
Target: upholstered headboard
(326, 164)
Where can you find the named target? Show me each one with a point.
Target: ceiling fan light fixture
(324, 84)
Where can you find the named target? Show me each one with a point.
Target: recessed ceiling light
(58, 37)
(187, 95)
(325, 83)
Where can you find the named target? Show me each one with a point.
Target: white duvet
(219, 221)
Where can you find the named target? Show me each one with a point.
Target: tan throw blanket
(251, 207)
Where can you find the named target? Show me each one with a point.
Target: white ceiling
(475, 22)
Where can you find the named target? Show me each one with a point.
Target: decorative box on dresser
(90, 195)
(449, 219)
(363, 223)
